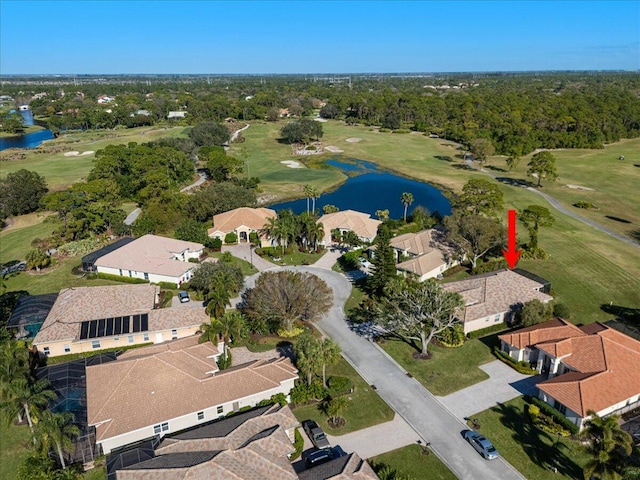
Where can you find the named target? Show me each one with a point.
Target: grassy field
(14, 448)
(16, 239)
(449, 370)
(365, 407)
(60, 171)
(27, 129)
(533, 452)
(614, 183)
(411, 462)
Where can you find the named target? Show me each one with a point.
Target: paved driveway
(243, 250)
(416, 405)
(503, 385)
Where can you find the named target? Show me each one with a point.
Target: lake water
(31, 140)
(371, 189)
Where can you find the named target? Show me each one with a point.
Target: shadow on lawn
(550, 454)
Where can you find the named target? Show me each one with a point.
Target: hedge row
(521, 367)
(486, 331)
(118, 278)
(552, 412)
(75, 356)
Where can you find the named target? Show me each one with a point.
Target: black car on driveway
(315, 434)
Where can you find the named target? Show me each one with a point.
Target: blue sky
(85, 37)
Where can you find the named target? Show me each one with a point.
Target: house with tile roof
(423, 255)
(153, 258)
(253, 445)
(591, 368)
(242, 221)
(87, 319)
(492, 298)
(349, 220)
(162, 389)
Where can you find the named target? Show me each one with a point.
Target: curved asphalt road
(426, 415)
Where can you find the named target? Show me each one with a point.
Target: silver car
(481, 444)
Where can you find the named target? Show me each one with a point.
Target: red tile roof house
(494, 297)
(349, 220)
(156, 390)
(423, 255)
(593, 367)
(85, 319)
(153, 258)
(242, 221)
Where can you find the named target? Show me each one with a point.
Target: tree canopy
(543, 165)
(473, 235)
(301, 131)
(20, 192)
(480, 197)
(209, 134)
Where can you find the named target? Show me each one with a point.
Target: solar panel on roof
(145, 322)
(125, 325)
(101, 327)
(109, 329)
(136, 323)
(117, 325)
(93, 326)
(84, 330)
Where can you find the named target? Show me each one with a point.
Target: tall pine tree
(383, 262)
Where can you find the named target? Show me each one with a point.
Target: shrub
(521, 367)
(558, 417)
(384, 130)
(586, 205)
(118, 278)
(303, 393)
(298, 444)
(534, 412)
(349, 261)
(193, 260)
(294, 332)
(339, 385)
(490, 266)
(224, 363)
(168, 285)
(401, 130)
(253, 238)
(534, 254)
(452, 336)
(487, 331)
(230, 237)
(214, 243)
(561, 310)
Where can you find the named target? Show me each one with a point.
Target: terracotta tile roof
(495, 292)
(254, 218)
(174, 382)
(554, 329)
(77, 304)
(151, 254)
(361, 223)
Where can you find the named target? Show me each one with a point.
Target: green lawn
(411, 462)
(14, 448)
(60, 171)
(449, 369)
(365, 407)
(15, 241)
(532, 451)
(246, 267)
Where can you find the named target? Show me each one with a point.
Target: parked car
(183, 296)
(481, 444)
(364, 262)
(323, 455)
(315, 434)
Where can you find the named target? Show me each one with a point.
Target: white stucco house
(153, 258)
(349, 220)
(181, 381)
(589, 368)
(242, 221)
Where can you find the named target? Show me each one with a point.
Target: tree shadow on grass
(462, 166)
(617, 219)
(516, 182)
(635, 234)
(496, 169)
(542, 448)
(444, 158)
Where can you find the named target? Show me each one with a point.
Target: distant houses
(365, 227)
(176, 114)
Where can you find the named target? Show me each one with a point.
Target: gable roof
(77, 304)
(349, 466)
(495, 292)
(361, 223)
(428, 248)
(177, 379)
(254, 218)
(554, 329)
(151, 254)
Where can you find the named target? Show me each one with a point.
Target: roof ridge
(250, 448)
(109, 422)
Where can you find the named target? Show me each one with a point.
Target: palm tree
(314, 194)
(329, 354)
(334, 407)
(272, 229)
(608, 447)
(308, 192)
(316, 233)
(26, 395)
(55, 431)
(229, 325)
(407, 199)
(219, 299)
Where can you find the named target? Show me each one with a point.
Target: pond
(30, 140)
(369, 189)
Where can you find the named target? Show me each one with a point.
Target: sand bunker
(333, 149)
(354, 140)
(78, 154)
(579, 187)
(292, 164)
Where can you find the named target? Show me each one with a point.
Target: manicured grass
(449, 369)
(411, 462)
(532, 451)
(98, 473)
(60, 171)
(14, 448)
(246, 267)
(262, 344)
(356, 296)
(15, 241)
(365, 407)
(299, 258)
(27, 129)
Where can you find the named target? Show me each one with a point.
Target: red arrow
(512, 255)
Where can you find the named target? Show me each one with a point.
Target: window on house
(116, 338)
(67, 349)
(95, 343)
(145, 337)
(560, 407)
(174, 334)
(487, 319)
(165, 426)
(120, 272)
(146, 276)
(497, 317)
(220, 409)
(130, 338)
(130, 273)
(156, 429)
(200, 416)
(46, 351)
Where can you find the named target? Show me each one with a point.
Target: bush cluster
(490, 266)
(303, 393)
(118, 278)
(486, 331)
(586, 205)
(349, 261)
(401, 130)
(521, 367)
(384, 130)
(298, 444)
(563, 422)
(230, 238)
(534, 254)
(339, 385)
(452, 337)
(168, 285)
